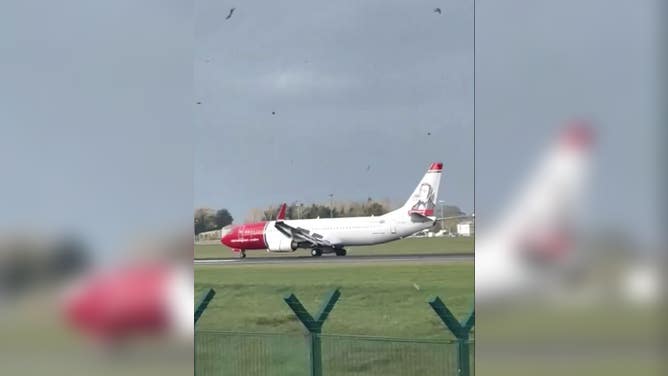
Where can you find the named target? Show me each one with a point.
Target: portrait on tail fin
(425, 200)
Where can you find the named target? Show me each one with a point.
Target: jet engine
(285, 245)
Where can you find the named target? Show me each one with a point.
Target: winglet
(281, 213)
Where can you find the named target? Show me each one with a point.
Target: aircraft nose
(81, 309)
(227, 238)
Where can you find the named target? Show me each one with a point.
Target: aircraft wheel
(315, 252)
(242, 254)
(341, 252)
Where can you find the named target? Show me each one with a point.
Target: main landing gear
(317, 252)
(242, 253)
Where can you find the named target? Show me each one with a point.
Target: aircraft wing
(302, 235)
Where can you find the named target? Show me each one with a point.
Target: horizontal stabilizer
(421, 217)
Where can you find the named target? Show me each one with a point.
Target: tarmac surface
(451, 257)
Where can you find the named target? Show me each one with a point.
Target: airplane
(332, 235)
(533, 245)
(117, 304)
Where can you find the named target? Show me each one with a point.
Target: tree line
(339, 209)
(207, 219)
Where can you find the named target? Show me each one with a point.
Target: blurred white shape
(532, 246)
(181, 295)
(641, 284)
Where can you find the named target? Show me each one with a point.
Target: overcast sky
(98, 109)
(366, 95)
(541, 63)
(95, 119)
(357, 84)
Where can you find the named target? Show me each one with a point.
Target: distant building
(466, 228)
(211, 236)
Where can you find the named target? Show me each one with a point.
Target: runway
(451, 257)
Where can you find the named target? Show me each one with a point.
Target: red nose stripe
(122, 302)
(249, 236)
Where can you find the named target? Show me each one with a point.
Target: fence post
(314, 325)
(199, 310)
(203, 303)
(459, 330)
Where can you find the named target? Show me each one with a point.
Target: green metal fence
(227, 353)
(352, 355)
(231, 353)
(315, 354)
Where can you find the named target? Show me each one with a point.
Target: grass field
(288, 354)
(377, 299)
(262, 335)
(404, 246)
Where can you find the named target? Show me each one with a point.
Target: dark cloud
(355, 84)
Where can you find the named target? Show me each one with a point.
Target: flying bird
(230, 15)
(436, 10)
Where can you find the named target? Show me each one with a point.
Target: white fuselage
(351, 231)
